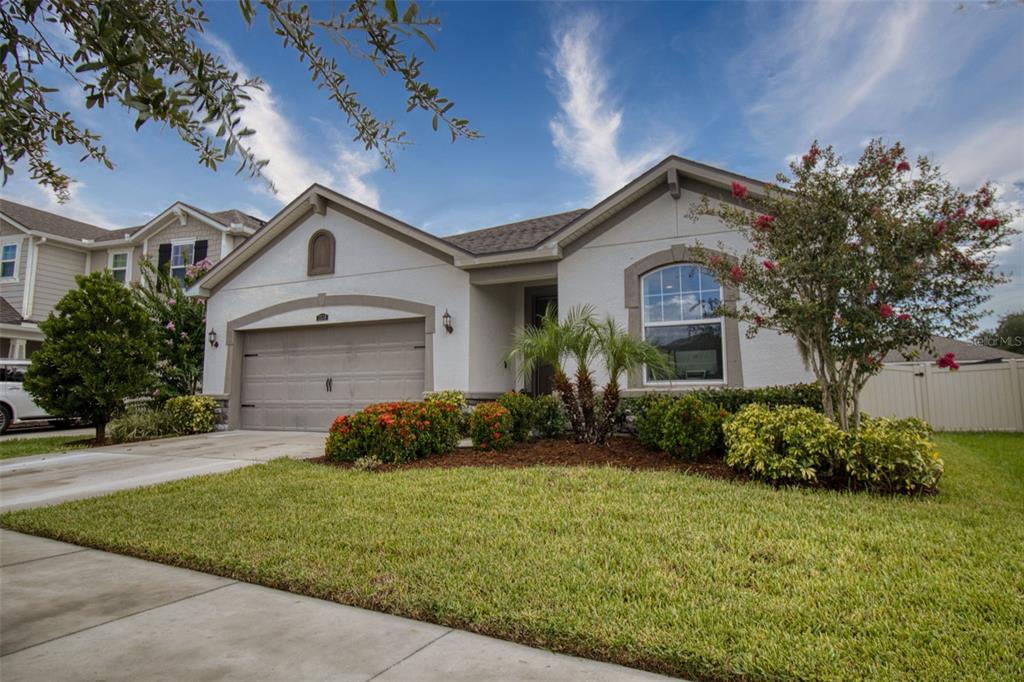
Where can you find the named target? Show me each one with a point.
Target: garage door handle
(329, 384)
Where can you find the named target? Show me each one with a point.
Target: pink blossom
(169, 326)
(903, 317)
(172, 301)
(987, 223)
(758, 320)
(739, 191)
(940, 228)
(885, 310)
(768, 265)
(736, 274)
(811, 157)
(715, 261)
(948, 360)
(960, 212)
(763, 222)
(903, 166)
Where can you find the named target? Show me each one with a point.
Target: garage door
(302, 378)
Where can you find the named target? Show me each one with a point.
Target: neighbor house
(333, 305)
(41, 252)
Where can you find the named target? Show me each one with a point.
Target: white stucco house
(333, 305)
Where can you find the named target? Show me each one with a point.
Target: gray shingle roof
(232, 216)
(51, 223)
(8, 313)
(965, 351)
(524, 234)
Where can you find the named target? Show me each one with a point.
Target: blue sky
(575, 99)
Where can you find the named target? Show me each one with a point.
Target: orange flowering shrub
(490, 427)
(395, 432)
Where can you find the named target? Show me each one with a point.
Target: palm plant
(581, 339)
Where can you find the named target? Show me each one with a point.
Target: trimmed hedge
(490, 427)
(894, 456)
(191, 413)
(690, 427)
(549, 416)
(523, 410)
(395, 432)
(179, 416)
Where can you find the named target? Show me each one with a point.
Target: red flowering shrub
(768, 265)
(948, 360)
(395, 432)
(736, 274)
(903, 166)
(739, 191)
(885, 310)
(987, 223)
(763, 222)
(490, 427)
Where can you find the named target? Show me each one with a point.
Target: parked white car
(16, 404)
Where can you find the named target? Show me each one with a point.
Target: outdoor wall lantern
(446, 319)
(212, 336)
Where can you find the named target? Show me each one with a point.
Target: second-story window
(182, 256)
(9, 260)
(119, 266)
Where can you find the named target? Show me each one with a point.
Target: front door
(543, 378)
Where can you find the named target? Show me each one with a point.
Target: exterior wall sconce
(212, 336)
(446, 320)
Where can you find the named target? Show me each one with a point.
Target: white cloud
(24, 190)
(586, 132)
(290, 169)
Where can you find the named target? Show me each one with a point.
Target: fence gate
(984, 397)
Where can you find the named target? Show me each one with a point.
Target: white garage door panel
(285, 372)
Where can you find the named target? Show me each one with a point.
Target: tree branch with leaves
(150, 57)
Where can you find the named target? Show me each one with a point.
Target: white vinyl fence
(986, 397)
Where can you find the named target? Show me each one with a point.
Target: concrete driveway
(48, 479)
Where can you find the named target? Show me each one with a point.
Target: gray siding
(101, 260)
(192, 229)
(56, 268)
(14, 291)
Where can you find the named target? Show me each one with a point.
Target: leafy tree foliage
(179, 323)
(99, 351)
(581, 339)
(858, 260)
(1008, 334)
(149, 57)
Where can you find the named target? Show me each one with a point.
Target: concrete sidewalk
(71, 613)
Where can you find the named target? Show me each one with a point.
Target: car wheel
(5, 418)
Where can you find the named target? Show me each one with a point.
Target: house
(41, 252)
(333, 305)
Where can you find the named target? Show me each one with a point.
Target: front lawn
(23, 447)
(677, 573)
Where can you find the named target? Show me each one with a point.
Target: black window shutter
(163, 257)
(200, 251)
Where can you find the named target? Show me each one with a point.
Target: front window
(680, 304)
(8, 260)
(182, 254)
(119, 266)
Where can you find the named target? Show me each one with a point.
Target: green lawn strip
(23, 447)
(674, 573)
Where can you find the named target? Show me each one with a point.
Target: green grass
(675, 573)
(23, 447)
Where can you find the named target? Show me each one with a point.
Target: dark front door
(542, 381)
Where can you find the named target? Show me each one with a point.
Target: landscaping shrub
(894, 456)
(524, 414)
(690, 427)
(395, 432)
(191, 413)
(141, 424)
(490, 427)
(733, 399)
(784, 444)
(458, 400)
(648, 416)
(549, 416)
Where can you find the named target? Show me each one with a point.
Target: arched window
(680, 316)
(321, 253)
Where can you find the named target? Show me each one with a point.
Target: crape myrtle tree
(857, 260)
(179, 321)
(99, 351)
(581, 339)
(151, 57)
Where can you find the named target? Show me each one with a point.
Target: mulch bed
(622, 452)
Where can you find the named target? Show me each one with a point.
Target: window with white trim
(119, 262)
(680, 316)
(182, 255)
(9, 260)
